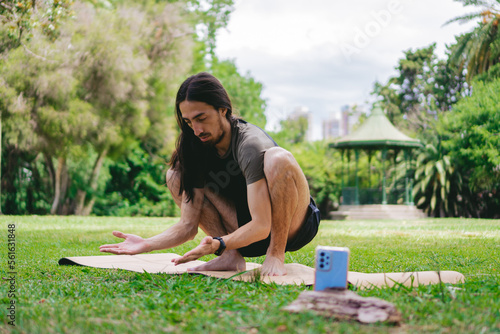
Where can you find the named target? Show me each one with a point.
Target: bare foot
(273, 266)
(231, 260)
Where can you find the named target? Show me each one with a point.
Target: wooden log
(345, 305)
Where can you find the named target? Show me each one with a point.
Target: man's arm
(184, 230)
(259, 204)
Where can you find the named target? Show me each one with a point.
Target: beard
(214, 140)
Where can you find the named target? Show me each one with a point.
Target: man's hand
(133, 244)
(207, 246)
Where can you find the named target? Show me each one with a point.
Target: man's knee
(283, 171)
(279, 162)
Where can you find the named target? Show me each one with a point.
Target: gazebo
(377, 133)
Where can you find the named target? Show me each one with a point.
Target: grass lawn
(66, 299)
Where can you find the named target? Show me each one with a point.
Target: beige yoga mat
(296, 273)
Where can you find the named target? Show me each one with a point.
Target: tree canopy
(479, 49)
(96, 90)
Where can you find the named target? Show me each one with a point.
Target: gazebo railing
(372, 196)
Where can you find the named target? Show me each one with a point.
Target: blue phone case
(332, 264)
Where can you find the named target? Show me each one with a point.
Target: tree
(244, 91)
(17, 143)
(77, 102)
(21, 17)
(136, 187)
(479, 49)
(460, 175)
(424, 87)
(213, 15)
(472, 129)
(293, 130)
(322, 168)
(207, 17)
(438, 183)
(489, 76)
(88, 97)
(412, 90)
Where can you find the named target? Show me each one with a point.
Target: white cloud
(296, 48)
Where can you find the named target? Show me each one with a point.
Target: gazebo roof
(376, 132)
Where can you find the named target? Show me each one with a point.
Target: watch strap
(222, 246)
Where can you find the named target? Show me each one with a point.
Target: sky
(324, 54)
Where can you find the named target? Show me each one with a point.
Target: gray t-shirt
(248, 145)
(243, 163)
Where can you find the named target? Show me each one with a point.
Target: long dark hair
(190, 154)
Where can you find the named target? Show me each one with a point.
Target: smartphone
(332, 264)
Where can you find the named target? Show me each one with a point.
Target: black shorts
(306, 233)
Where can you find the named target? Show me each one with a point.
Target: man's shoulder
(249, 133)
(249, 146)
(244, 127)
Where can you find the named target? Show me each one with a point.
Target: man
(230, 179)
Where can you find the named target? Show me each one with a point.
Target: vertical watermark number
(12, 273)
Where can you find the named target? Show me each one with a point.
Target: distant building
(341, 124)
(349, 117)
(331, 128)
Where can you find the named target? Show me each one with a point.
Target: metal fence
(373, 195)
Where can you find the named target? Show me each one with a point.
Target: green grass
(67, 299)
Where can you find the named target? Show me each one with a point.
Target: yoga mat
(296, 273)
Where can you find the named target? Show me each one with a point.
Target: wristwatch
(222, 246)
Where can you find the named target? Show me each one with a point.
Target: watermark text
(11, 274)
(363, 36)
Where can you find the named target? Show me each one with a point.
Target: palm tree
(478, 50)
(438, 183)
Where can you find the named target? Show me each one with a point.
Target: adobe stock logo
(362, 37)
(222, 178)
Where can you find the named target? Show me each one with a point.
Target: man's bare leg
(218, 218)
(290, 198)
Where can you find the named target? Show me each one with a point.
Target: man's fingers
(109, 246)
(188, 257)
(206, 241)
(183, 259)
(110, 250)
(119, 234)
(116, 250)
(179, 260)
(130, 246)
(194, 254)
